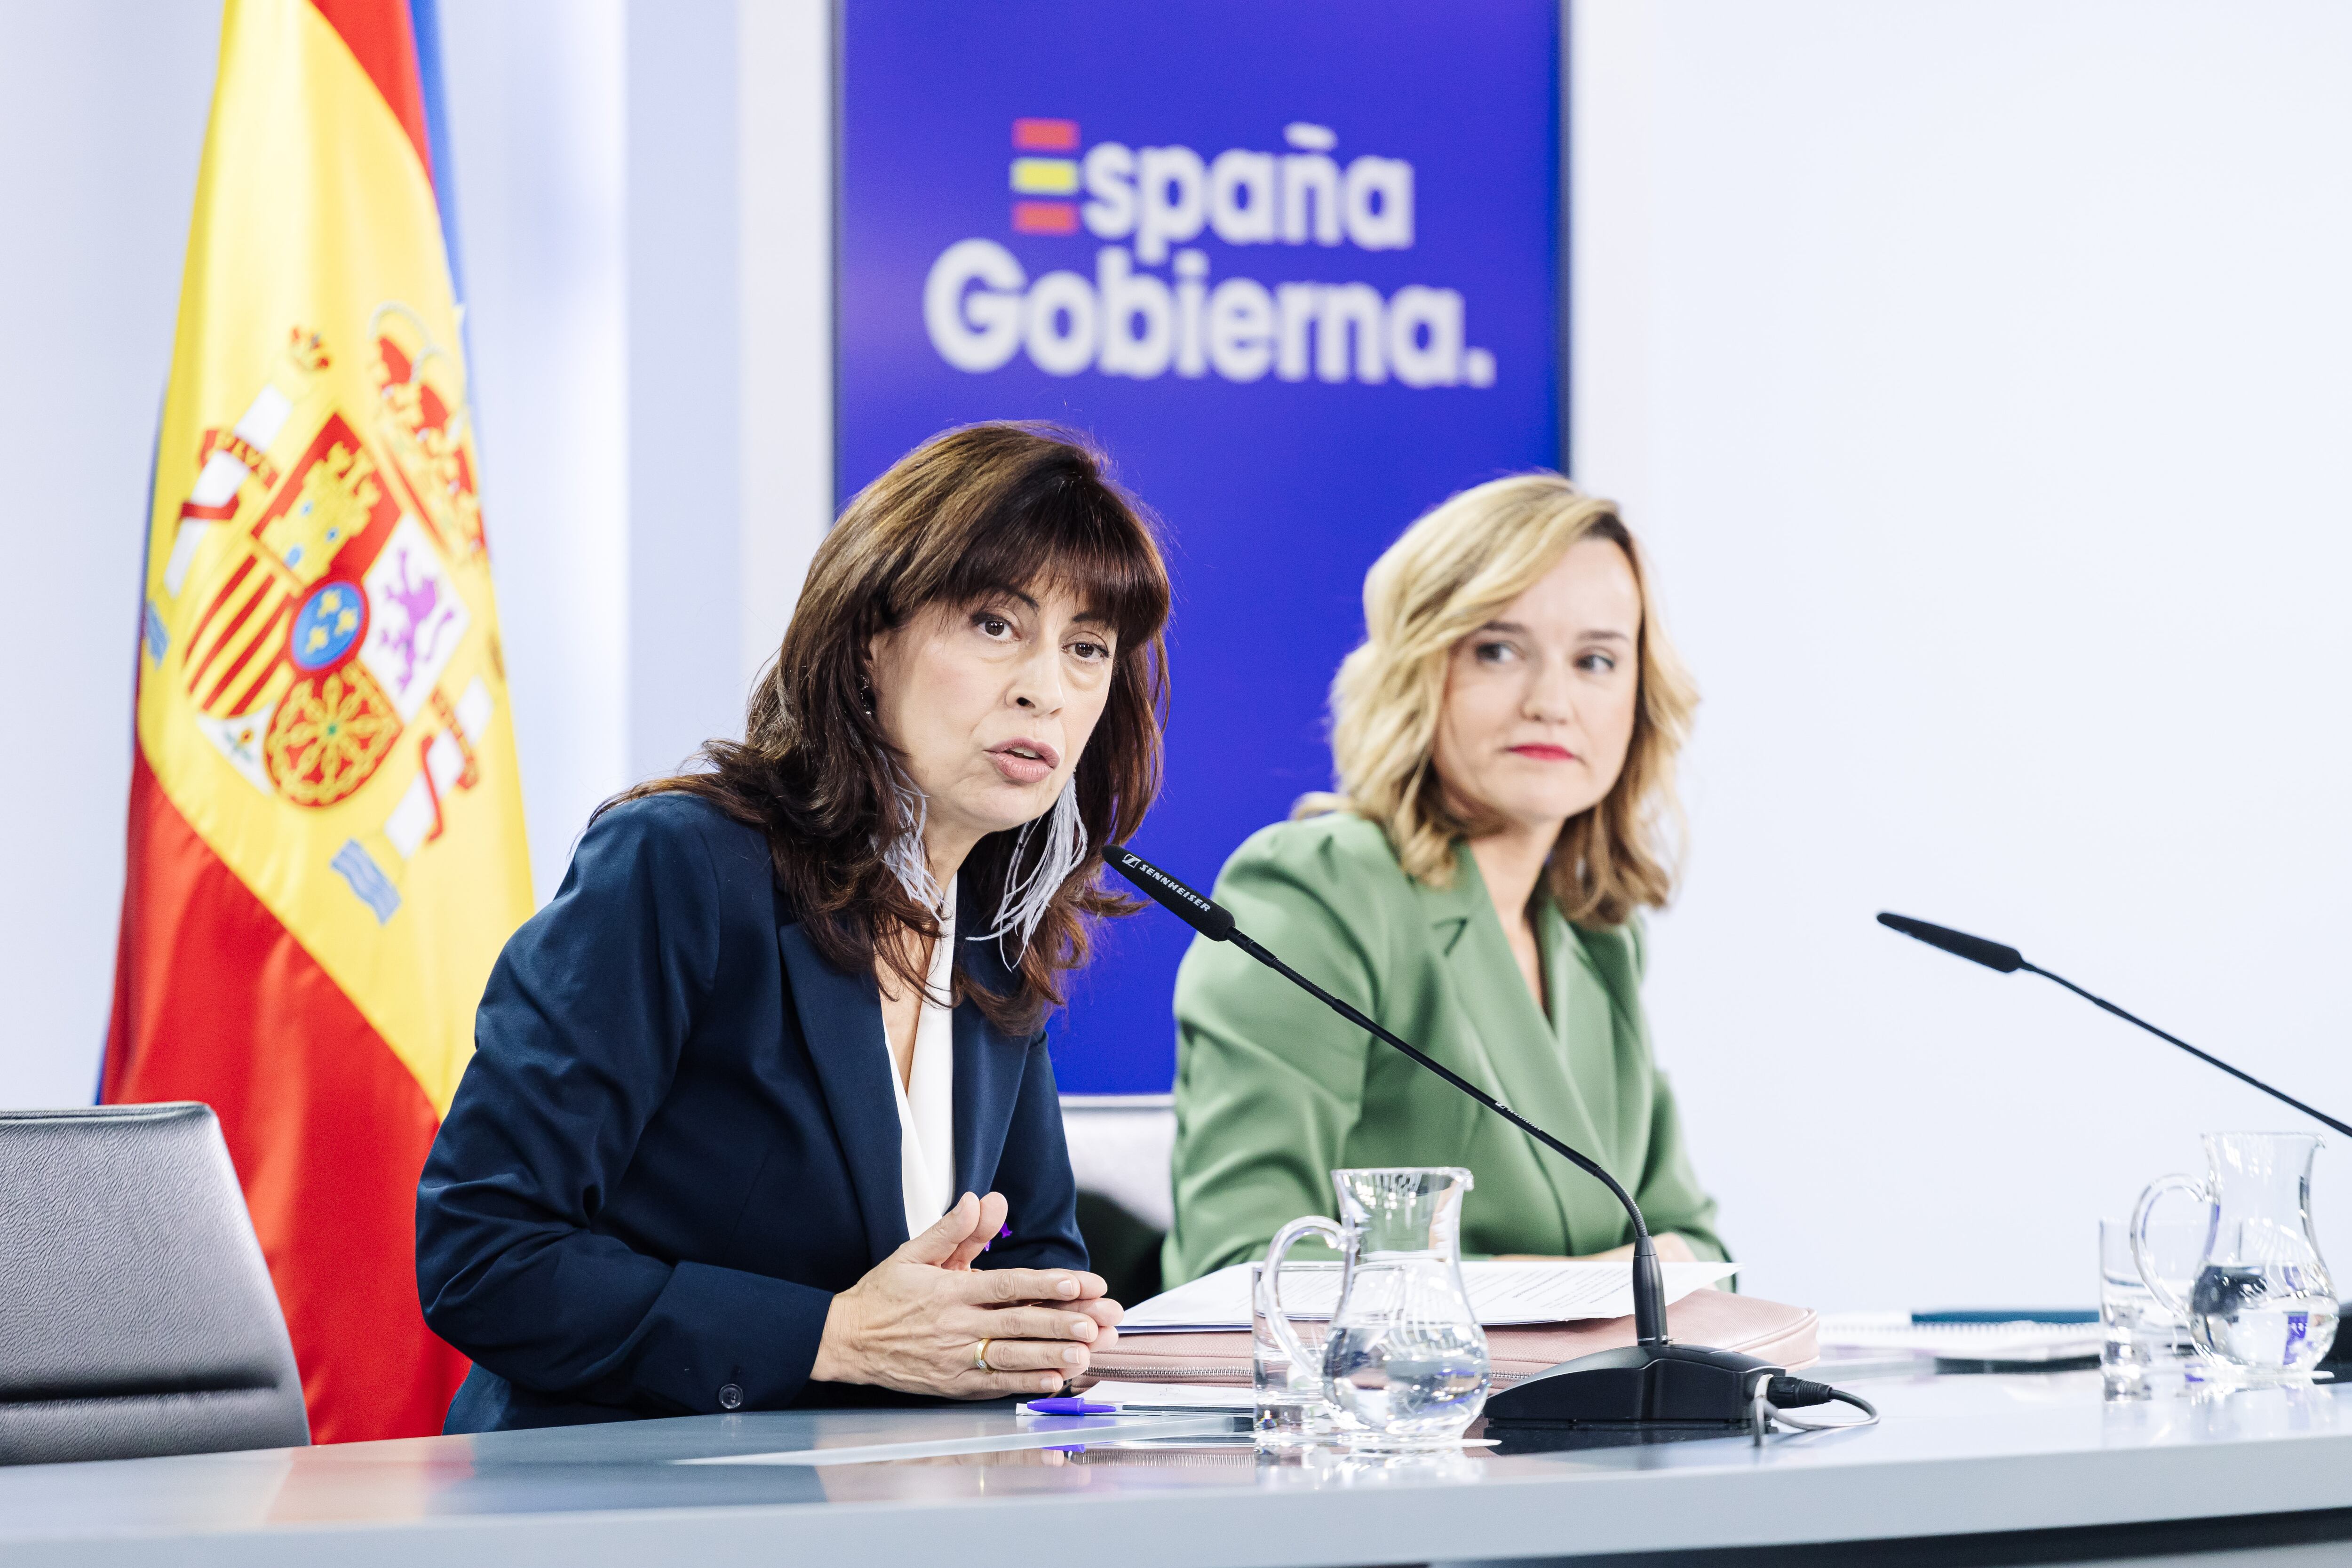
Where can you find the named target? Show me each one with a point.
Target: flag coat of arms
(326, 837)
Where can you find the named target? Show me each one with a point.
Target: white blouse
(927, 1102)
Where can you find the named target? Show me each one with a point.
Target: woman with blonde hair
(1504, 743)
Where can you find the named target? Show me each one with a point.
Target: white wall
(783, 97)
(103, 104)
(644, 190)
(652, 373)
(1977, 372)
(536, 92)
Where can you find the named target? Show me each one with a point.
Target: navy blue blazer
(678, 1139)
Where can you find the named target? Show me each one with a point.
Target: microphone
(2009, 961)
(1655, 1383)
(1216, 922)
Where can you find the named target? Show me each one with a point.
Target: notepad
(1500, 1293)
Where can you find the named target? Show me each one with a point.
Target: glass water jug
(2262, 1305)
(1405, 1362)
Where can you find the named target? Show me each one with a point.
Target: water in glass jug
(2262, 1305)
(1405, 1362)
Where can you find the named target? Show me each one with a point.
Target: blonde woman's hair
(1453, 571)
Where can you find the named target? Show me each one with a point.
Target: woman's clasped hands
(923, 1321)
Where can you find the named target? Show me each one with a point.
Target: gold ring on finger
(979, 1356)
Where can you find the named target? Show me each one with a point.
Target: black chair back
(136, 1313)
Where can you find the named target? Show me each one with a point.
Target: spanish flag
(326, 838)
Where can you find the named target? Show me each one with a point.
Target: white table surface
(1954, 1455)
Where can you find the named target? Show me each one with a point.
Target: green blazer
(1274, 1090)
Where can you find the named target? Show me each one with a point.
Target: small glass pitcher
(2262, 1305)
(1405, 1362)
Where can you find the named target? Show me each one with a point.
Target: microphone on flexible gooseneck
(1216, 922)
(1652, 1383)
(2009, 961)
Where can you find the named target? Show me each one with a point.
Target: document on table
(1847, 1334)
(1500, 1293)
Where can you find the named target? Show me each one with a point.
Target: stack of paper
(1500, 1293)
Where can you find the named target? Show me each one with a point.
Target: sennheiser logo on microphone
(1165, 880)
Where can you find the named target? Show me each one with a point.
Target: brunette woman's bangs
(1065, 528)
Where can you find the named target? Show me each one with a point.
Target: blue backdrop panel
(1294, 262)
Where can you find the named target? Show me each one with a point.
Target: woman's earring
(903, 855)
(1027, 897)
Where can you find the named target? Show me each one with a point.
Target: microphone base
(1636, 1387)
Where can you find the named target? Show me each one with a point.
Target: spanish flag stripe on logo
(308, 914)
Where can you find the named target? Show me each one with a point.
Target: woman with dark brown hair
(760, 1113)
